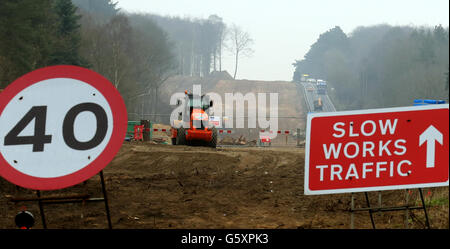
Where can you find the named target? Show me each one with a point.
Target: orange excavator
(196, 109)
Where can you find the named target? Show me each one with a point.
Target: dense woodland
(198, 43)
(380, 66)
(36, 34)
(136, 52)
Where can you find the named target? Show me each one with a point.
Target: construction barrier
(265, 141)
(225, 131)
(279, 132)
(167, 130)
(154, 130)
(263, 138)
(146, 136)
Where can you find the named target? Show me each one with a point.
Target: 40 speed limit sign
(59, 126)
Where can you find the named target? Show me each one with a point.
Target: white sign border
(310, 116)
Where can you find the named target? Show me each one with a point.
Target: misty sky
(284, 30)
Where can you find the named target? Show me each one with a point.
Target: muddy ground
(164, 186)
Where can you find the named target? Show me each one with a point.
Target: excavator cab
(196, 128)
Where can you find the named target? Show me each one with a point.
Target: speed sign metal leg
(370, 210)
(352, 214)
(41, 209)
(427, 222)
(108, 216)
(407, 209)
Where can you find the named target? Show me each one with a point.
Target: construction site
(241, 182)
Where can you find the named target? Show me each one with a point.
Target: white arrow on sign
(430, 135)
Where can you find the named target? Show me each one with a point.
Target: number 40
(39, 139)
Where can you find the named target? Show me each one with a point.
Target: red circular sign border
(118, 110)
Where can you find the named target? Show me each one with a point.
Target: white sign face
(59, 126)
(58, 96)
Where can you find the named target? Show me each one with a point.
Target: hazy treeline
(36, 34)
(199, 43)
(380, 66)
(131, 50)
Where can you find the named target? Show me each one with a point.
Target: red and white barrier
(278, 132)
(167, 130)
(225, 131)
(164, 130)
(286, 132)
(265, 139)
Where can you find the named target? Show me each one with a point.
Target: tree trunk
(215, 58)
(220, 57)
(156, 118)
(236, 65)
(153, 105)
(142, 106)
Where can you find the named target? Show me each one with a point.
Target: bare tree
(240, 44)
(222, 44)
(119, 32)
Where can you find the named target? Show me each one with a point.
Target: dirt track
(164, 186)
